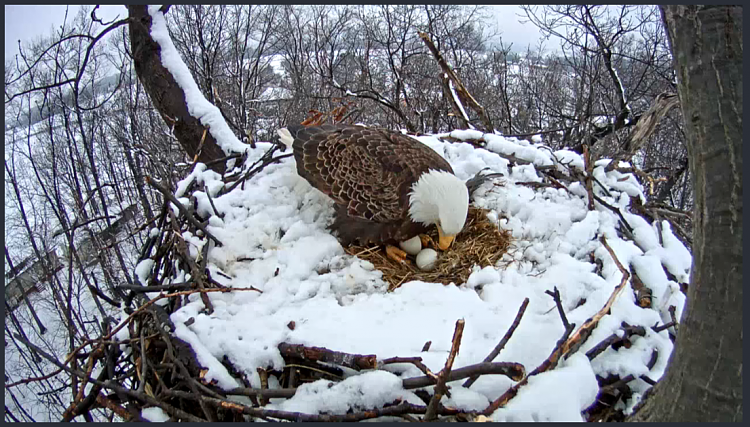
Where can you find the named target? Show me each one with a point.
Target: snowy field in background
(275, 239)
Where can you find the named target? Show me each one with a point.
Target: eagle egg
(426, 259)
(411, 246)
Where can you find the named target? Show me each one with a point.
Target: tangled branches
(140, 361)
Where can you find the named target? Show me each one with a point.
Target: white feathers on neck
(439, 197)
(285, 137)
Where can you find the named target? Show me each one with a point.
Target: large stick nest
(162, 370)
(481, 243)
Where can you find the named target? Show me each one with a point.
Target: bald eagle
(387, 187)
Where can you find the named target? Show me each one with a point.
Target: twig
(536, 185)
(580, 336)
(440, 388)
(519, 161)
(268, 394)
(80, 405)
(546, 365)
(89, 368)
(224, 159)
(557, 183)
(211, 201)
(495, 351)
(606, 191)
(196, 273)
(614, 339)
(322, 354)
(395, 410)
(615, 210)
(263, 374)
(117, 409)
(672, 314)
(463, 94)
(144, 307)
(558, 302)
(182, 209)
(200, 146)
(617, 385)
(541, 132)
(35, 379)
(664, 326)
(101, 295)
(668, 210)
(391, 289)
(144, 363)
(416, 361)
(324, 370)
(292, 377)
(158, 288)
(112, 386)
(589, 173)
(264, 161)
(514, 371)
(191, 383)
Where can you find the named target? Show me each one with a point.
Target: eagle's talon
(427, 241)
(395, 254)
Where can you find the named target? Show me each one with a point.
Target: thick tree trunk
(704, 378)
(167, 96)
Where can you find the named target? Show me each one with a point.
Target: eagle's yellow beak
(444, 241)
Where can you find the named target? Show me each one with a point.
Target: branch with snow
(499, 347)
(182, 209)
(440, 388)
(583, 332)
(455, 102)
(463, 93)
(322, 354)
(549, 363)
(173, 90)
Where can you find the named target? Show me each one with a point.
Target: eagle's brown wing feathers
(368, 172)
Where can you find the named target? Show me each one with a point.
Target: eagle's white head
(440, 198)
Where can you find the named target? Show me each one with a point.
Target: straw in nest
(481, 243)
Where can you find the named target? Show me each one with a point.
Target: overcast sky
(27, 23)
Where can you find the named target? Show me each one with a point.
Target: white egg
(411, 246)
(426, 259)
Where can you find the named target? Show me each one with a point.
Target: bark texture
(166, 95)
(704, 378)
(463, 94)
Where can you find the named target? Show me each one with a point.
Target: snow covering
(274, 238)
(155, 414)
(198, 105)
(458, 103)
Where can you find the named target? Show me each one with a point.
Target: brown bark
(645, 126)
(166, 95)
(704, 378)
(463, 94)
(463, 121)
(322, 354)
